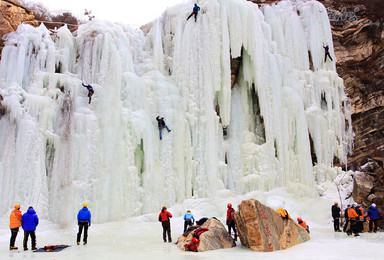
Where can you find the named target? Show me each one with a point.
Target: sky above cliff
(136, 12)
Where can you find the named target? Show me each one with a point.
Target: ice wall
(59, 151)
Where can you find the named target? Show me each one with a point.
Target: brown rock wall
(261, 229)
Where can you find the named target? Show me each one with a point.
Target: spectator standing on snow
(335, 209)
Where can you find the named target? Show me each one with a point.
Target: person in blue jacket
(188, 220)
(84, 221)
(373, 214)
(196, 9)
(29, 222)
(90, 91)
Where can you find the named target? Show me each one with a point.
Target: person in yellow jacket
(284, 214)
(14, 225)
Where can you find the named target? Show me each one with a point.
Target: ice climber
(83, 221)
(373, 214)
(14, 225)
(164, 218)
(303, 224)
(326, 49)
(29, 222)
(90, 91)
(196, 9)
(188, 220)
(161, 124)
(231, 221)
(353, 217)
(335, 209)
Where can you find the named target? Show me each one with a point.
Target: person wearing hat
(373, 214)
(14, 225)
(302, 223)
(189, 220)
(352, 216)
(29, 222)
(83, 221)
(335, 209)
(164, 218)
(230, 220)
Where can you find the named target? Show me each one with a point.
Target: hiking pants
(187, 223)
(161, 127)
(231, 224)
(353, 227)
(33, 237)
(336, 224)
(166, 230)
(81, 226)
(327, 54)
(193, 13)
(14, 232)
(346, 225)
(371, 222)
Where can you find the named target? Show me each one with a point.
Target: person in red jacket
(14, 225)
(164, 218)
(231, 220)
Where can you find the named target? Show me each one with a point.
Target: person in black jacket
(346, 218)
(336, 216)
(161, 124)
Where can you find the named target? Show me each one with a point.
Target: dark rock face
(261, 229)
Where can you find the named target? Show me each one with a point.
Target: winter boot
(13, 248)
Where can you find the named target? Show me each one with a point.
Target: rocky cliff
(11, 15)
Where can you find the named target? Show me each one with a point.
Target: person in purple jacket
(29, 222)
(373, 214)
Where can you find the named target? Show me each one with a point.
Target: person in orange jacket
(303, 224)
(14, 225)
(164, 218)
(353, 217)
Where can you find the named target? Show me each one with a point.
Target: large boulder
(216, 237)
(261, 229)
(362, 187)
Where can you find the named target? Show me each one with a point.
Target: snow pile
(59, 151)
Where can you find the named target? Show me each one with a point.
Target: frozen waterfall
(58, 151)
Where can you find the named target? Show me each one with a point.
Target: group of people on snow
(355, 218)
(29, 221)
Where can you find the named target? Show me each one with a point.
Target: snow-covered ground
(141, 237)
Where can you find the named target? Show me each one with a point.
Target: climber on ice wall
(90, 91)
(326, 49)
(196, 9)
(161, 124)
